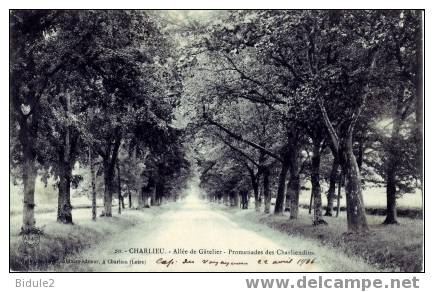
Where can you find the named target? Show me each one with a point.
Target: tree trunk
(27, 136)
(137, 182)
(120, 199)
(150, 197)
(244, 194)
(92, 179)
(140, 202)
(288, 196)
(316, 187)
(159, 192)
(254, 179)
(294, 195)
(150, 193)
(391, 214)
(146, 199)
(391, 165)
(130, 202)
(255, 187)
(109, 162)
(156, 195)
(360, 151)
(29, 177)
(331, 193)
(64, 207)
(338, 203)
(310, 202)
(153, 198)
(237, 199)
(294, 184)
(267, 193)
(246, 199)
(356, 217)
(108, 188)
(278, 208)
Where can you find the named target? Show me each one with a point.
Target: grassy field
(409, 205)
(395, 248)
(373, 197)
(45, 198)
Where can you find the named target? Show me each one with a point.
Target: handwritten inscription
(300, 262)
(187, 261)
(164, 262)
(214, 262)
(223, 263)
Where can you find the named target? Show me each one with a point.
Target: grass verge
(396, 248)
(60, 240)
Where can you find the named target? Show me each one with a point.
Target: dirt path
(196, 225)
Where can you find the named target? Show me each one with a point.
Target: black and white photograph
(235, 140)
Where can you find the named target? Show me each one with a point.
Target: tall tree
(403, 44)
(34, 63)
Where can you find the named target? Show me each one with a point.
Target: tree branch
(238, 150)
(332, 132)
(244, 76)
(240, 138)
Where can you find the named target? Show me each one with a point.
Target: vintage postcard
(216, 140)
